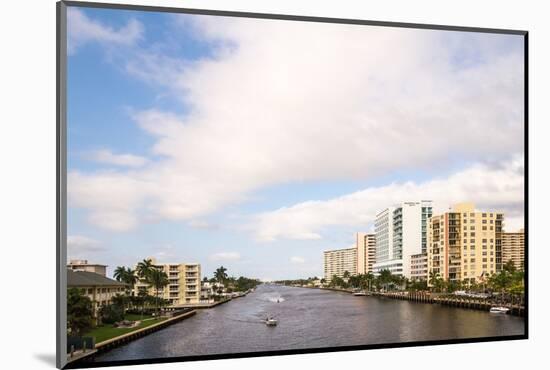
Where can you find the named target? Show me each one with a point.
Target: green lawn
(136, 317)
(102, 333)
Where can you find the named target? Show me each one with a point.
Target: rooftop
(85, 278)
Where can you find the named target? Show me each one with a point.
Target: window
(484, 241)
(472, 234)
(472, 227)
(484, 228)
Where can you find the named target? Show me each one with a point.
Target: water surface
(312, 318)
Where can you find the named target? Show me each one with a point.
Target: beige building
(97, 287)
(465, 244)
(513, 248)
(338, 261)
(366, 252)
(419, 267)
(184, 283)
(83, 265)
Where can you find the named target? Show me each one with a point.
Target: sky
(256, 144)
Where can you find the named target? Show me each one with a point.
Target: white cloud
(498, 188)
(297, 260)
(108, 157)
(225, 256)
(292, 102)
(81, 29)
(79, 244)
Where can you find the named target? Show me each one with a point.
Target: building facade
(513, 248)
(465, 244)
(401, 232)
(419, 267)
(184, 283)
(338, 261)
(98, 288)
(366, 252)
(83, 265)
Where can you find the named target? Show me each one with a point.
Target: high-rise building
(465, 244)
(401, 232)
(83, 265)
(338, 261)
(366, 252)
(184, 282)
(513, 248)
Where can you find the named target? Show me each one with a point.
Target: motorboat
(271, 322)
(499, 309)
(360, 293)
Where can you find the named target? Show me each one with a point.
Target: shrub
(111, 314)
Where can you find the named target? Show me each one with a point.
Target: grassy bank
(105, 332)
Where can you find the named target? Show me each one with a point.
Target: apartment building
(401, 232)
(98, 288)
(338, 261)
(465, 244)
(184, 285)
(366, 252)
(513, 248)
(419, 267)
(83, 265)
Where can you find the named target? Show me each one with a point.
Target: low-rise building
(98, 288)
(211, 289)
(83, 265)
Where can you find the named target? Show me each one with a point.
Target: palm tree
(433, 278)
(385, 278)
(131, 279)
(369, 277)
(220, 274)
(144, 268)
(119, 273)
(158, 280)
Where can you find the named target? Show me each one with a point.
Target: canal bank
(427, 297)
(125, 338)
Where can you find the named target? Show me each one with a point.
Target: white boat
(499, 309)
(271, 322)
(361, 293)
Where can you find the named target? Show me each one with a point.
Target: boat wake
(273, 298)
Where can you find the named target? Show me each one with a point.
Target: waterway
(311, 318)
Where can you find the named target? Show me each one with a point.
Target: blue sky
(258, 144)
